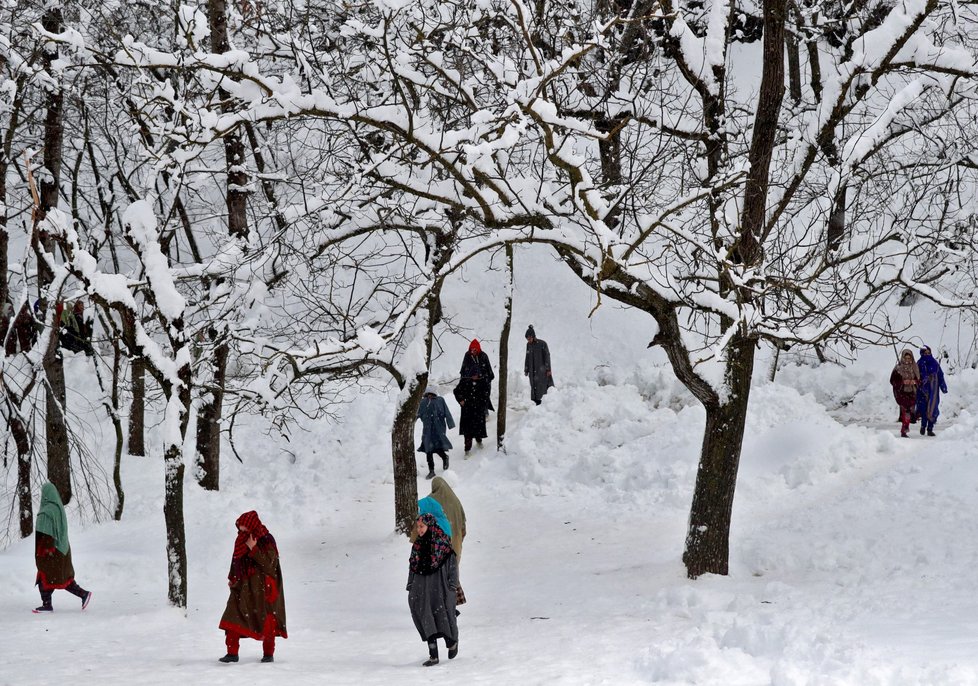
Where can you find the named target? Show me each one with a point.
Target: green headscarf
(51, 518)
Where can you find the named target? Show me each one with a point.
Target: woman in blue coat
(929, 392)
(436, 420)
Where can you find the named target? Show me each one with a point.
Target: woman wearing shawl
(905, 379)
(256, 605)
(431, 586)
(472, 393)
(443, 494)
(929, 394)
(52, 552)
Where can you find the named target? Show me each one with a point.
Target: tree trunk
(504, 354)
(708, 537)
(23, 441)
(794, 68)
(837, 220)
(137, 409)
(58, 458)
(59, 464)
(234, 149)
(117, 425)
(209, 425)
(176, 539)
(403, 452)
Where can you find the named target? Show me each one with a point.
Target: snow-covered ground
(854, 552)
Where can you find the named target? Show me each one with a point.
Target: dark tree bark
(794, 69)
(137, 409)
(504, 354)
(58, 456)
(708, 537)
(769, 99)
(22, 439)
(836, 233)
(209, 417)
(403, 453)
(176, 538)
(403, 449)
(209, 424)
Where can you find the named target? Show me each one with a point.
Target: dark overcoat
(431, 598)
(436, 420)
(537, 368)
(473, 398)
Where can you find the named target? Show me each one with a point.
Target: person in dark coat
(436, 420)
(929, 393)
(905, 379)
(431, 586)
(473, 394)
(256, 604)
(52, 552)
(537, 366)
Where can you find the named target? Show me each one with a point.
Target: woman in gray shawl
(431, 586)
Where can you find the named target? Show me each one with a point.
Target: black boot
(432, 654)
(228, 658)
(267, 658)
(431, 466)
(444, 462)
(453, 651)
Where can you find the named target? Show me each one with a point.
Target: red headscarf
(241, 565)
(474, 347)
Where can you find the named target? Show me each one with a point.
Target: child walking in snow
(256, 604)
(52, 552)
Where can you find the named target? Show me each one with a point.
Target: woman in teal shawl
(52, 552)
(431, 506)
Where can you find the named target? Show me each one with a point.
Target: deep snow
(853, 551)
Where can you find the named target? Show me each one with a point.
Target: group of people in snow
(917, 387)
(256, 599)
(473, 394)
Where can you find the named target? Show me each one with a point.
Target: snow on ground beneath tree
(852, 551)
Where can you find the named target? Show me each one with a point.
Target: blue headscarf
(431, 506)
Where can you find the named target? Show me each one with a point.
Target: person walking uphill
(436, 420)
(431, 586)
(256, 604)
(472, 394)
(929, 393)
(905, 379)
(52, 552)
(537, 366)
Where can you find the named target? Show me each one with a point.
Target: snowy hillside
(853, 551)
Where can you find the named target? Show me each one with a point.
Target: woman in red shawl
(905, 380)
(256, 605)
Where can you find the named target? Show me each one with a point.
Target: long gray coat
(431, 598)
(436, 420)
(537, 368)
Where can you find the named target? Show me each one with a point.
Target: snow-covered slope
(853, 551)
